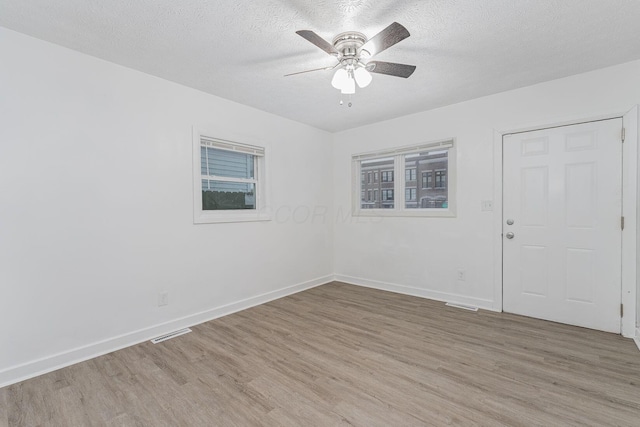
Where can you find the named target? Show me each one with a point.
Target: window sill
(418, 213)
(230, 216)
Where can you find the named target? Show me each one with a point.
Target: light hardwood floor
(344, 355)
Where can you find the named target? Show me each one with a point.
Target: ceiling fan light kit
(345, 79)
(353, 49)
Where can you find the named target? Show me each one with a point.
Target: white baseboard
(636, 339)
(41, 366)
(417, 292)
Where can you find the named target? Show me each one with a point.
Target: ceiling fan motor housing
(349, 44)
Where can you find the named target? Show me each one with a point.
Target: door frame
(630, 187)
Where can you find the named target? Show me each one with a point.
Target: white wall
(421, 255)
(96, 203)
(96, 208)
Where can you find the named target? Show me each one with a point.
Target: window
(434, 163)
(369, 178)
(427, 179)
(228, 181)
(387, 198)
(410, 195)
(387, 176)
(441, 179)
(410, 174)
(375, 176)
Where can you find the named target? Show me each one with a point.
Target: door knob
(510, 235)
(509, 222)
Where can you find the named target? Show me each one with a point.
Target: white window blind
(221, 144)
(405, 150)
(216, 162)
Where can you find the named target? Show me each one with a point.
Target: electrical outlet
(163, 299)
(462, 275)
(486, 205)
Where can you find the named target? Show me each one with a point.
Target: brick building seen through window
(425, 186)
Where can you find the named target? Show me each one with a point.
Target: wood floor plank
(345, 355)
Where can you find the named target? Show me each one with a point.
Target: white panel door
(562, 190)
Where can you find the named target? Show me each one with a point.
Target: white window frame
(399, 186)
(260, 213)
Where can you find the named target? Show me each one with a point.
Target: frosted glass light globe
(363, 77)
(339, 78)
(349, 86)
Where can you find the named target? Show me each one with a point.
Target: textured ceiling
(241, 49)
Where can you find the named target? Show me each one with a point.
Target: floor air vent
(170, 335)
(462, 306)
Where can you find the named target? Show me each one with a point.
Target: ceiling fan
(353, 51)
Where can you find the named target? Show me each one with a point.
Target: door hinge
(623, 134)
(622, 223)
(621, 310)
